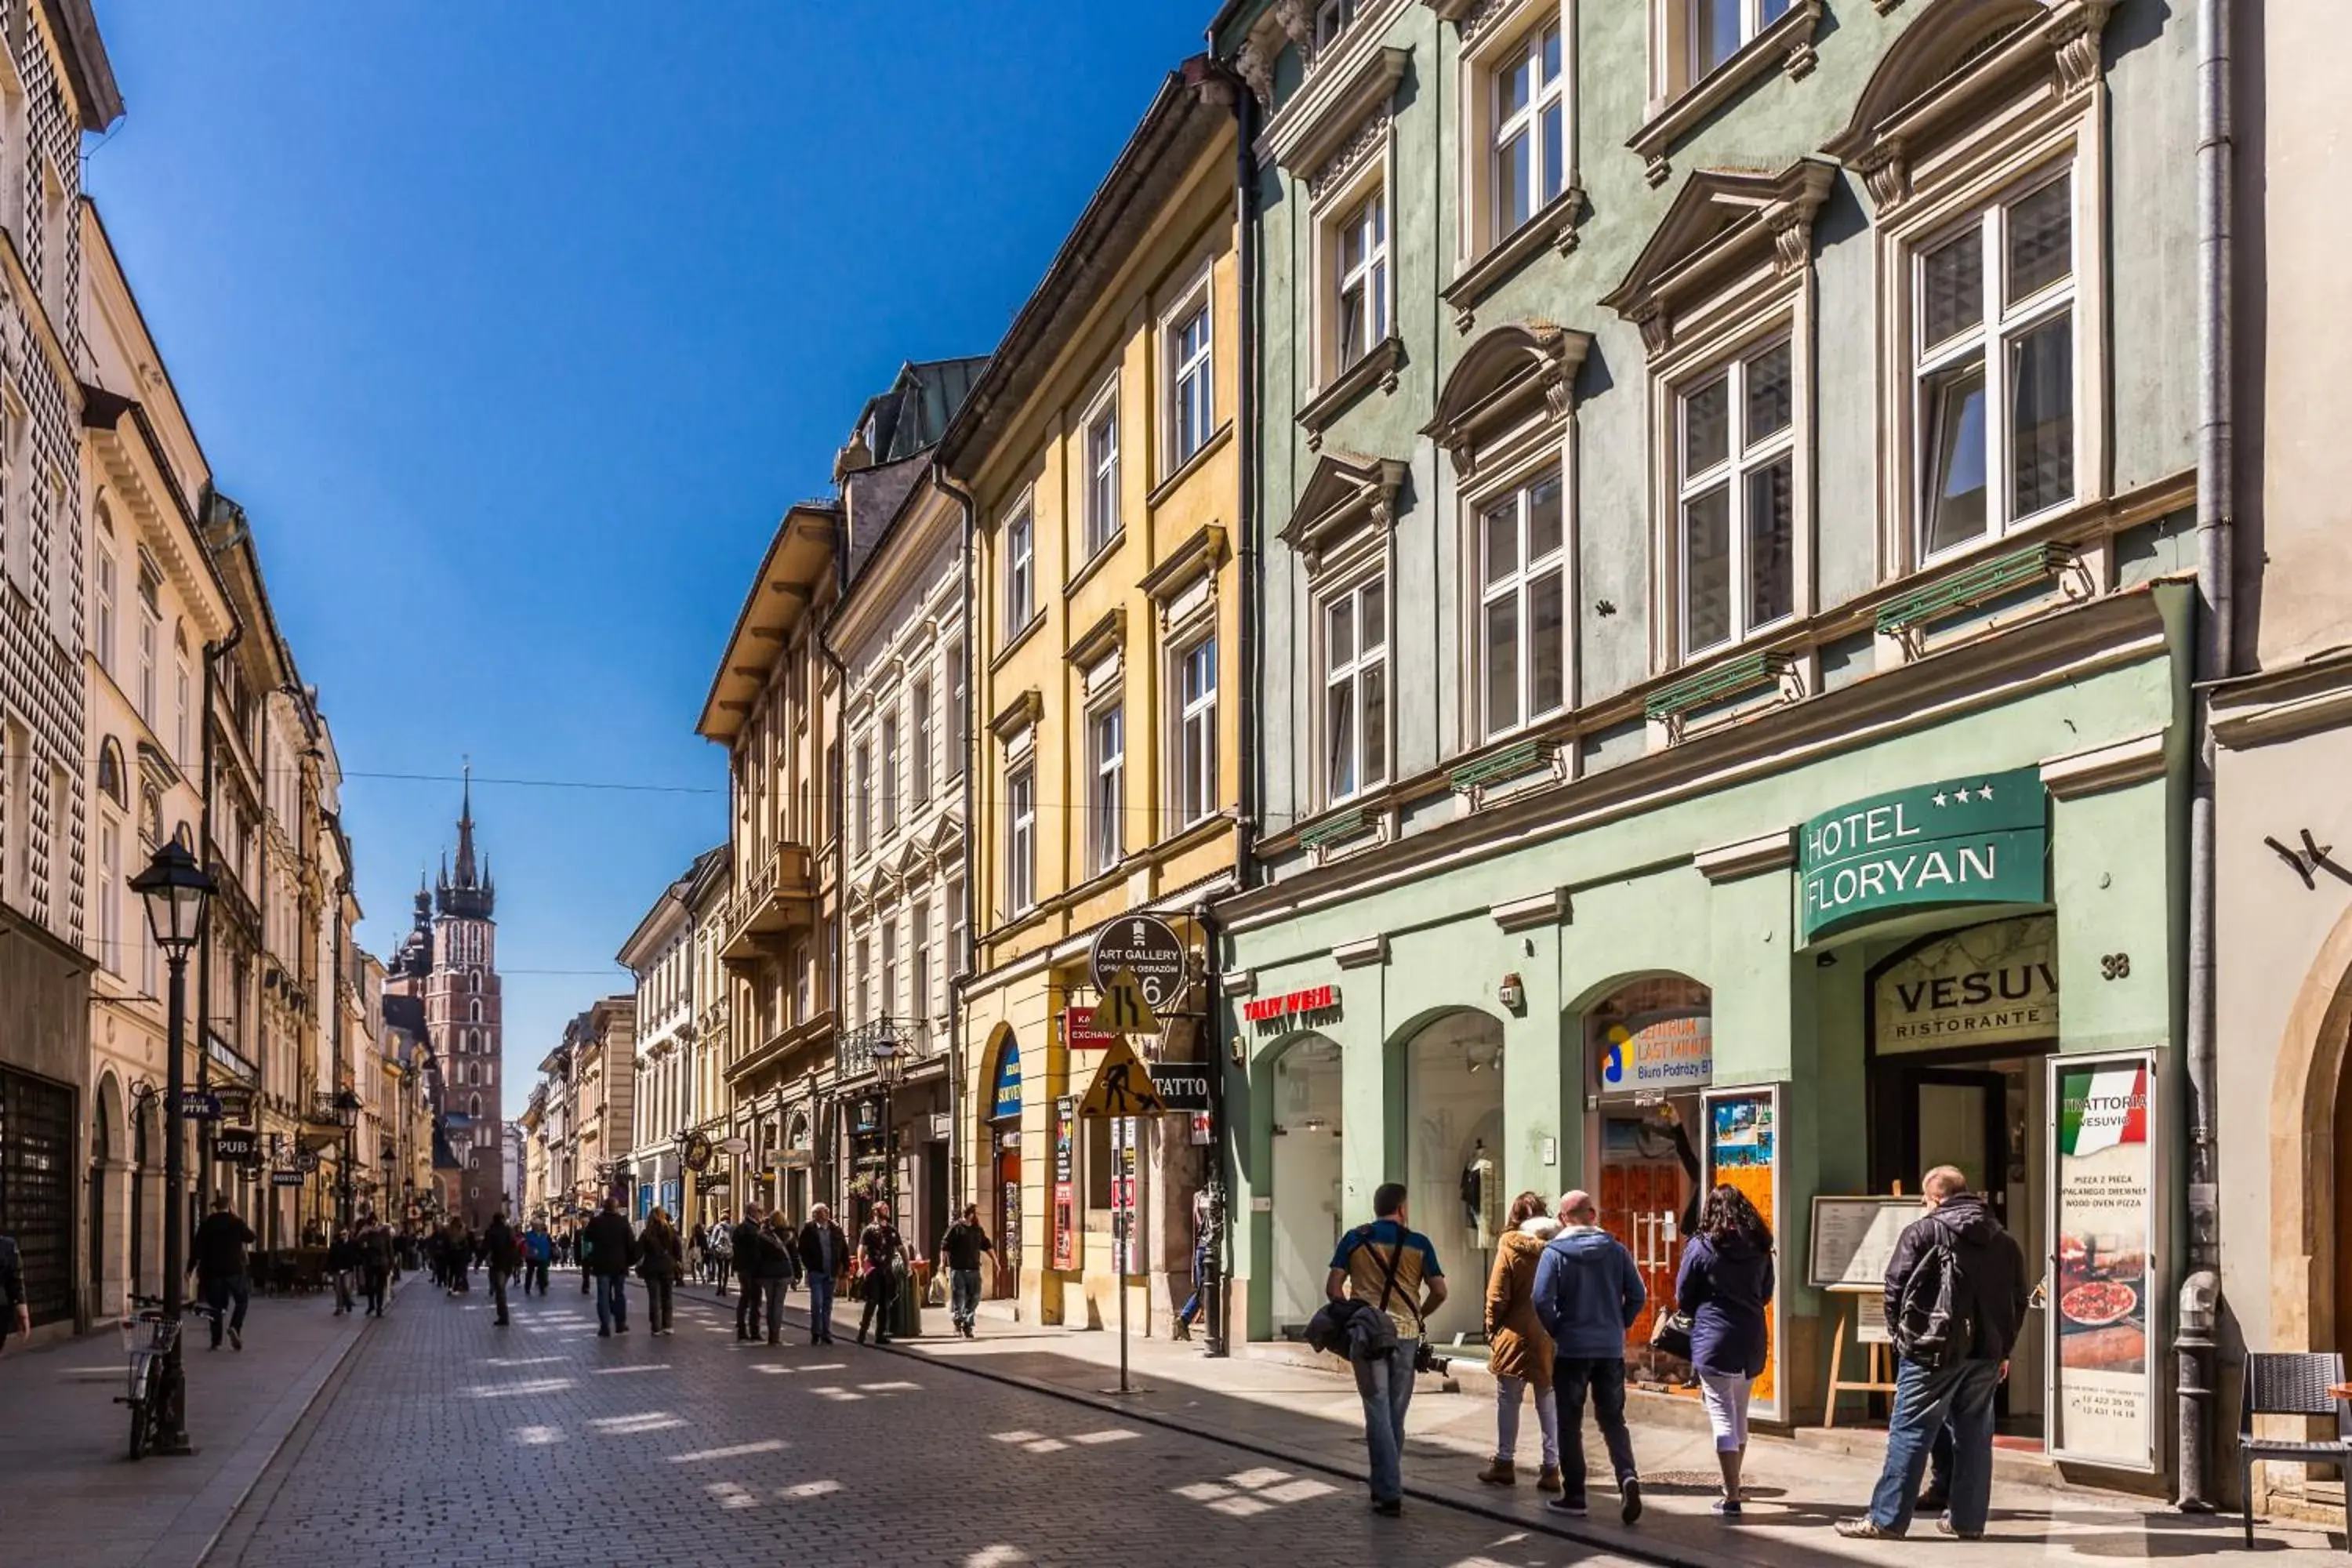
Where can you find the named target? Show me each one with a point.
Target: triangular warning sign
(1123, 1086)
(1123, 1010)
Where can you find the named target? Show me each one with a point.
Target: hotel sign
(1979, 839)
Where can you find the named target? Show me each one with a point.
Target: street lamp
(347, 1111)
(890, 1071)
(174, 890)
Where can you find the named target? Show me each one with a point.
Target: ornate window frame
(1487, 32)
(1681, 103)
(1977, 100)
(1728, 268)
(1343, 530)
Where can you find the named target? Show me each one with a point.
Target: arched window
(474, 1011)
(473, 981)
(112, 779)
(474, 1106)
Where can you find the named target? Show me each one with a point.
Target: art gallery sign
(1978, 839)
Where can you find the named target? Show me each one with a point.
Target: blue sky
(514, 338)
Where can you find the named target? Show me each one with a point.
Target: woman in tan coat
(1521, 1350)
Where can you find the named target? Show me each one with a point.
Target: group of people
(361, 1260)
(1563, 1294)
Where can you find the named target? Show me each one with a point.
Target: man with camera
(1391, 1268)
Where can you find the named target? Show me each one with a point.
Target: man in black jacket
(612, 1249)
(504, 1253)
(1987, 1309)
(746, 1240)
(219, 1266)
(825, 1257)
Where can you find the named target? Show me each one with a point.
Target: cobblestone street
(442, 1434)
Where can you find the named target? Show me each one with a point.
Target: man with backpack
(1391, 1268)
(1955, 1302)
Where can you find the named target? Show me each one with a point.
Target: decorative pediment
(1107, 635)
(1945, 65)
(1716, 224)
(1018, 715)
(1499, 377)
(1197, 557)
(1344, 491)
(1336, 118)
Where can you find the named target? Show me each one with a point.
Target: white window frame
(2000, 326)
(920, 701)
(1192, 392)
(1099, 446)
(864, 804)
(102, 632)
(1355, 215)
(1105, 786)
(1348, 673)
(151, 626)
(1333, 18)
(922, 944)
(1505, 126)
(1755, 16)
(890, 996)
(1741, 458)
(1194, 789)
(111, 885)
(1021, 838)
(1513, 585)
(889, 744)
(1020, 571)
(863, 999)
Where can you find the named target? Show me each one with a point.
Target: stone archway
(2305, 1089)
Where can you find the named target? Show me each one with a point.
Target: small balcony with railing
(897, 1049)
(777, 896)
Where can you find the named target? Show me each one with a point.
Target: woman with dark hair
(1725, 1284)
(1520, 1350)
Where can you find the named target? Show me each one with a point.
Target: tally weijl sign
(1978, 839)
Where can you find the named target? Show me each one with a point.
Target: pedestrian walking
(778, 1266)
(697, 1251)
(15, 1306)
(1954, 1300)
(377, 1253)
(1390, 1267)
(825, 1258)
(722, 1251)
(1203, 1241)
(342, 1267)
(538, 1252)
(1725, 1283)
(611, 1250)
(1520, 1350)
(218, 1262)
(1588, 1294)
(660, 1259)
(963, 1249)
(746, 1244)
(882, 1256)
(461, 1257)
(503, 1249)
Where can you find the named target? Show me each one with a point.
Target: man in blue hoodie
(1588, 1294)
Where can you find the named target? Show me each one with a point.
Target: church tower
(462, 1012)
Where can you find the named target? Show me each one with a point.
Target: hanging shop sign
(1655, 1053)
(1979, 839)
(1312, 1001)
(195, 1105)
(236, 1147)
(1078, 1031)
(285, 1178)
(1066, 1202)
(716, 1182)
(698, 1152)
(1181, 1086)
(1990, 984)
(1743, 1151)
(306, 1160)
(1148, 947)
(1006, 1095)
(2105, 1219)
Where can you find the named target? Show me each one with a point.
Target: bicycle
(157, 1394)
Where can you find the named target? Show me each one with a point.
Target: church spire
(466, 891)
(466, 832)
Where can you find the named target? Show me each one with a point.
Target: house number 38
(2114, 965)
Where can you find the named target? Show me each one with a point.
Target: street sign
(1181, 1086)
(198, 1106)
(1124, 1008)
(1080, 1032)
(235, 1146)
(1148, 947)
(1123, 1086)
(306, 1161)
(285, 1178)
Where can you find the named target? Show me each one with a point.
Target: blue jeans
(1924, 1398)
(1386, 1384)
(612, 1301)
(820, 1287)
(1603, 1378)
(963, 1295)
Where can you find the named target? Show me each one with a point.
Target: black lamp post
(347, 1111)
(890, 1071)
(175, 890)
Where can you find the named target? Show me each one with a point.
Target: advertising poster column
(1066, 1200)
(1743, 1151)
(2105, 1224)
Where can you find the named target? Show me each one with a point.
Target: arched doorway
(1453, 1143)
(800, 1162)
(1651, 1046)
(100, 1300)
(1306, 1172)
(1004, 1112)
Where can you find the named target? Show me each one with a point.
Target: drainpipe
(207, 501)
(840, 870)
(958, 981)
(2200, 1292)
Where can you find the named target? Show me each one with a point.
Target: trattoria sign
(1983, 839)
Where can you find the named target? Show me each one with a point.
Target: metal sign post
(1122, 1091)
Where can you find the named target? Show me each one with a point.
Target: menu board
(2106, 1407)
(1855, 1238)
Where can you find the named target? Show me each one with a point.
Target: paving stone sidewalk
(69, 1493)
(1299, 1412)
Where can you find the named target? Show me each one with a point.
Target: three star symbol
(1961, 796)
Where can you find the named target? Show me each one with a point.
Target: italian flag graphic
(2103, 1108)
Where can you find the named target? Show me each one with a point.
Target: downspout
(206, 500)
(840, 861)
(2200, 1291)
(962, 977)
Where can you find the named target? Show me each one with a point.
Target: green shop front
(1929, 919)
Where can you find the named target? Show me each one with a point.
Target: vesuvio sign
(1983, 839)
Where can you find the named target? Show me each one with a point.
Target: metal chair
(2292, 1384)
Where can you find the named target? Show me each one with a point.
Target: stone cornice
(1332, 105)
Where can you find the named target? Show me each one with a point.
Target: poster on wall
(1743, 1151)
(1655, 1053)
(1066, 1202)
(2103, 1299)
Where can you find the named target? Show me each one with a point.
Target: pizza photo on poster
(2105, 1209)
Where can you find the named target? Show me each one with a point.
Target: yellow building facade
(1099, 459)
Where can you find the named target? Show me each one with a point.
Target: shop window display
(1453, 1108)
